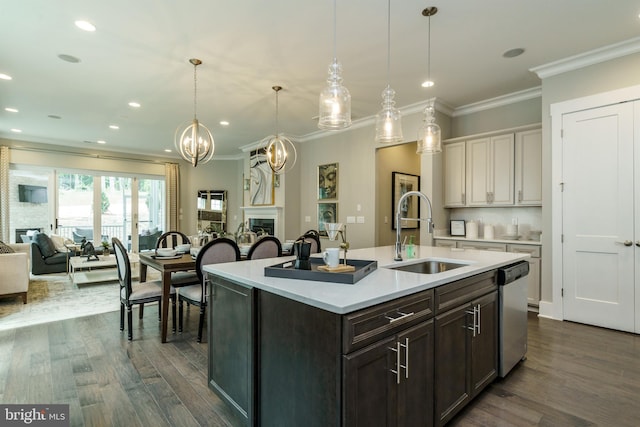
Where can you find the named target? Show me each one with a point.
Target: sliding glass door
(75, 200)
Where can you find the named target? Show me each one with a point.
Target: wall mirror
(212, 211)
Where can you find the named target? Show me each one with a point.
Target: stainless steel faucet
(399, 218)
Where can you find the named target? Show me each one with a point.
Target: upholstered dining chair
(265, 247)
(215, 252)
(171, 239)
(132, 293)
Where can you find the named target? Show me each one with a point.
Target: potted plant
(105, 246)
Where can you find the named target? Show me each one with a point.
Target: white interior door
(598, 217)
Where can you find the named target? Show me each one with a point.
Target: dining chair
(135, 292)
(171, 239)
(314, 238)
(216, 251)
(265, 247)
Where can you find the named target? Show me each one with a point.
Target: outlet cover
(351, 220)
(360, 220)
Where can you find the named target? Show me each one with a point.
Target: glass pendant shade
(388, 120)
(335, 101)
(429, 138)
(195, 143)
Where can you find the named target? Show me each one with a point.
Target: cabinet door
(501, 173)
(454, 175)
(528, 168)
(444, 243)
(533, 284)
(484, 355)
(231, 345)
(478, 164)
(370, 388)
(452, 349)
(482, 246)
(415, 391)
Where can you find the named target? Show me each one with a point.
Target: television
(32, 193)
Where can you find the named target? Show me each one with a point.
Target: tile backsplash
(528, 218)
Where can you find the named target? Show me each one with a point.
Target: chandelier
(194, 142)
(281, 153)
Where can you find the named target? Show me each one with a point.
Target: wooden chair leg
(121, 316)
(173, 312)
(141, 311)
(180, 311)
(201, 323)
(130, 322)
(24, 297)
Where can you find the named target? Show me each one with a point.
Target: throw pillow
(45, 244)
(59, 243)
(5, 249)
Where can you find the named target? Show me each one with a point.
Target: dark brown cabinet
(390, 383)
(466, 357)
(231, 349)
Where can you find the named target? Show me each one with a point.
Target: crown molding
(499, 101)
(603, 54)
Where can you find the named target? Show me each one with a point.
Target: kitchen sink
(429, 267)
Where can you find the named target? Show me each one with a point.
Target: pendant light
(389, 119)
(281, 153)
(335, 99)
(194, 142)
(429, 138)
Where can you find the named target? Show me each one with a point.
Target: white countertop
(381, 285)
(498, 240)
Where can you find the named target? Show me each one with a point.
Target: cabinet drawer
(483, 246)
(445, 243)
(534, 251)
(366, 326)
(460, 292)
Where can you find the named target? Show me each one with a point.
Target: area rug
(54, 297)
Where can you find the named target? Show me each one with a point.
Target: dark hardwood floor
(574, 375)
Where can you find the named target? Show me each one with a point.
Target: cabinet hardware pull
(398, 365)
(473, 327)
(626, 242)
(520, 195)
(402, 316)
(406, 357)
(478, 319)
(464, 200)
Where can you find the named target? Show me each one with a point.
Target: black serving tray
(286, 270)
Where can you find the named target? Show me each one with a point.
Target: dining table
(166, 266)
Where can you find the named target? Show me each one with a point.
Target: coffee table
(99, 271)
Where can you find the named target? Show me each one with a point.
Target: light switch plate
(307, 219)
(351, 220)
(360, 220)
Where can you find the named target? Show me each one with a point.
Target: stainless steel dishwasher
(512, 326)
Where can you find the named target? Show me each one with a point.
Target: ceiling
(141, 49)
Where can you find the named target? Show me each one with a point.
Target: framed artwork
(261, 186)
(402, 183)
(328, 181)
(327, 212)
(458, 227)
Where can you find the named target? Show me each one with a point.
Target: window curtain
(4, 194)
(172, 184)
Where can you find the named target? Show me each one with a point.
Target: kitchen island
(395, 348)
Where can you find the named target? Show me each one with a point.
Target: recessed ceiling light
(114, 127)
(53, 116)
(224, 123)
(427, 83)
(16, 130)
(134, 104)
(166, 150)
(85, 25)
(69, 58)
(5, 76)
(101, 141)
(512, 53)
(11, 110)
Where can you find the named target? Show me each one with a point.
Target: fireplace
(258, 225)
(267, 218)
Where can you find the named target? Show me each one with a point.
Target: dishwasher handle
(513, 272)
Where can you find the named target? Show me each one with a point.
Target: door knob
(638, 243)
(627, 242)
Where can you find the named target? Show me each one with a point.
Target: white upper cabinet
(454, 175)
(490, 171)
(528, 168)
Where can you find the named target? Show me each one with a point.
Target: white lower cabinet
(533, 294)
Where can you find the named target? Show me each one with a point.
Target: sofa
(45, 258)
(14, 270)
